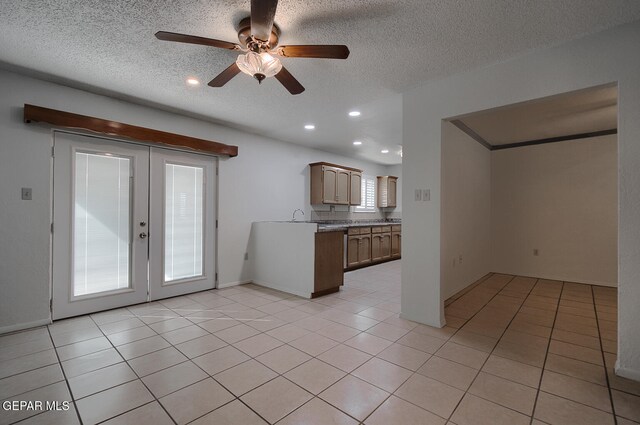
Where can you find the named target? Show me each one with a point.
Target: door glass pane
(101, 236)
(183, 222)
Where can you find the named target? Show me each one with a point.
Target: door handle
(143, 235)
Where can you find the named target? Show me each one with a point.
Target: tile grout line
(432, 355)
(31, 370)
(59, 363)
(455, 297)
(66, 381)
(139, 379)
(494, 347)
(212, 377)
(311, 358)
(604, 361)
(190, 360)
(546, 354)
(309, 332)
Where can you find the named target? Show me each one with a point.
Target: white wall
(562, 199)
(267, 181)
(466, 210)
(598, 59)
(290, 267)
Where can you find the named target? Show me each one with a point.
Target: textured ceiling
(584, 111)
(109, 47)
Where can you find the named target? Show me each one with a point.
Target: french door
(131, 223)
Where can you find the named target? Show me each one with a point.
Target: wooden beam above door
(64, 119)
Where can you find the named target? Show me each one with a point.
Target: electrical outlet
(460, 259)
(27, 193)
(418, 195)
(246, 256)
(535, 252)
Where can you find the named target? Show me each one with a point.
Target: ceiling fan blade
(322, 52)
(225, 76)
(289, 81)
(192, 39)
(262, 14)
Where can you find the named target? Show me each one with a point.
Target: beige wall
(466, 210)
(559, 198)
(598, 59)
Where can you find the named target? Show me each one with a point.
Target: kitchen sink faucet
(293, 218)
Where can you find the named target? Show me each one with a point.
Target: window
(368, 195)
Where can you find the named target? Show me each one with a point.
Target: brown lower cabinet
(396, 244)
(358, 250)
(329, 271)
(380, 246)
(369, 245)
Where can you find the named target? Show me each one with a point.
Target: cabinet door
(353, 249)
(364, 250)
(329, 179)
(385, 245)
(392, 185)
(355, 189)
(396, 244)
(376, 247)
(343, 178)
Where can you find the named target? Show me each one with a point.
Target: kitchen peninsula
(308, 259)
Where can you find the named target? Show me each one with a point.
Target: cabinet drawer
(365, 230)
(353, 231)
(397, 228)
(381, 229)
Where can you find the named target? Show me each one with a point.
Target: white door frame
(114, 142)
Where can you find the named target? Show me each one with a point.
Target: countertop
(342, 227)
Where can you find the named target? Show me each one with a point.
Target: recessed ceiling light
(193, 81)
(384, 151)
(354, 113)
(309, 127)
(357, 143)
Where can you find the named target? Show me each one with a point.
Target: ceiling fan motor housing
(249, 42)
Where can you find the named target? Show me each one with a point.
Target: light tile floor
(516, 350)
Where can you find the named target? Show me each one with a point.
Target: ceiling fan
(258, 36)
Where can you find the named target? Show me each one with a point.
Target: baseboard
(283, 289)
(627, 373)
(230, 284)
(403, 316)
(23, 326)
(564, 279)
(467, 288)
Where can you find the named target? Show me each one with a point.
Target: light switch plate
(27, 193)
(418, 194)
(426, 195)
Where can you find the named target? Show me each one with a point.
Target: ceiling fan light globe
(259, 65)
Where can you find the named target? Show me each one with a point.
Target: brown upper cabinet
(387, 189)
(355, 191)
(333, 184)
